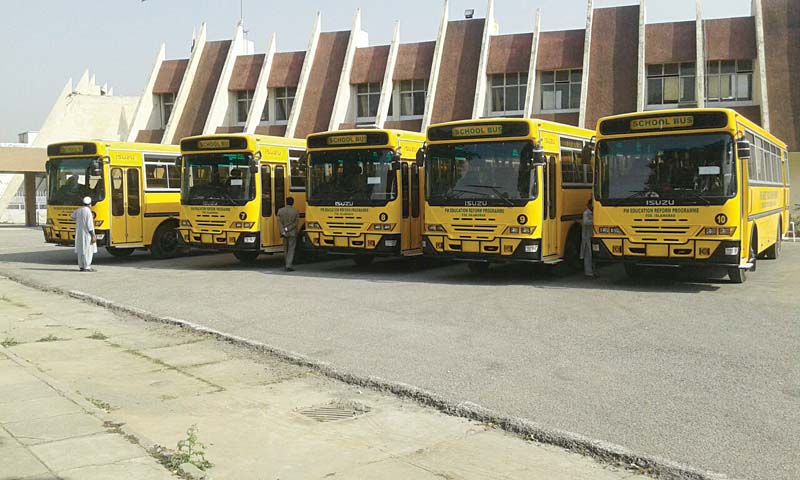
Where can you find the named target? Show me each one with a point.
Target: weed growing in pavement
(49, 338)
(9, 342)
(105, 406)
(97, 335)
(189, 450)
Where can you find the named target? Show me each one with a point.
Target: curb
(603, 452)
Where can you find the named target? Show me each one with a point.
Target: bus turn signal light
(725, 231)
(521, 230)
(186, 223)
(435, 227)
(98, 223)
(383, 226)
(313, 226)
(610, 230)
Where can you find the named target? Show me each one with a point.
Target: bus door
(550, 222)
(415, 230)
(126, 206)
(270, 235)
(405, 199)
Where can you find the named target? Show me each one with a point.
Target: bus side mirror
(743, 149)
(421, 154)
(397, 165)
(303, 162)
(96, 168)
(252, 163)
(537, 154)
(179, 162)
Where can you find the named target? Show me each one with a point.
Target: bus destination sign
(214, 144)
(347, 139)
(71, 149)
(662, 123)
(337, 140)
(477, 131)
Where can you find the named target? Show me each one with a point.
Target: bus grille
(210, 221)
(474, 228)
(349, 226)
(661, 229)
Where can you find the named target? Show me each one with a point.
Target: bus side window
(266, 191)
(117, 193)
(551, 191)
(404, 183)
(280, 188)
(415, 191)
(134, 205)
(296, 171)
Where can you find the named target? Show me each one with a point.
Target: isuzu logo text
(476, 203)
(343, 204)
(660, 203)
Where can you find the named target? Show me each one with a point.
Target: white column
(185, 88)
(388, 79)
(587, 49)
(758, 13)
(222, 97)
(641, 77)
(700, 70)
(358, 39)
(530, 95)
(308, 63)
(437, 62)
(146, 102)
(261, 95)
(489, 29)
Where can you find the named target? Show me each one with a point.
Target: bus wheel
(165, 242)
(571, 262)
(246, 256)
(120, 252)
(633, 270)
(478, 267)
(363, 260)
(774, 251)
(737, 275)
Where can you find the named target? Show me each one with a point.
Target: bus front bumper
(66, 237)
(364, 244)
(499, 250)
(223, 241)
(712, 253)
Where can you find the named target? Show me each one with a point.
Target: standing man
(587, 230)
(287, 220)
(85, 239)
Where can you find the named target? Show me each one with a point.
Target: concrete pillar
(641, 82)
(30, 200)
(489, 29)
(146, 102)
(185, 89)
(587, 49)
(531, 93)
(358, 39)
(700, 70)
(758, 13)
(261, 95)
(437, 63)
(388, 79)
(222, 97)
(308, 63)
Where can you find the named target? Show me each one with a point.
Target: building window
(671, 83)
(167, 102)
(729, 81)
(244, 100)
(561, 89)
(412, 98)
(284, 101)
(508, 93)
(368, 96)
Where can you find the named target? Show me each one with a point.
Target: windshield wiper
(696, 195)
(639, 194)
(496, 190)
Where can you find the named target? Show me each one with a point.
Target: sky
(44, 43)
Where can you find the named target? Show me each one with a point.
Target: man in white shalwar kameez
(85, 240)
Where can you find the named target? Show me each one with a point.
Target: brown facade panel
(410, 125)
(560, 50)
(234, 129)
(369, 65)
(170, 76)
(510, 53)
(323, 83)
(245, 73)
(782, 47)
(209, 70)
(670, 42)
(150, 136)
(731, 39)
(414, 61)
(752, 112)
(614, 63)
(571, 118)
(286, 69)
(458, 73)
(273, 130)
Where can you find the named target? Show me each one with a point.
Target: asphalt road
(695, 370)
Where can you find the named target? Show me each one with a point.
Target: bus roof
(678, 120)
(250, 139)
(360, 137)
(458, 130)
(100, 147)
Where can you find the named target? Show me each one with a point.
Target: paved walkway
(258, 416)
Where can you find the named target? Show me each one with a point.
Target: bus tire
(246, 256)
(737, 275)
(363, 260)
(165, 241)
(120, 252)
(633, 270)
(478, 267)
(773, 252)
(571, 262)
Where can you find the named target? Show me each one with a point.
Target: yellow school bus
(506, 190)
(365, 193)
(689, 187)
(135, 191)
(233, 186)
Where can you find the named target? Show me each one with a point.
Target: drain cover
(330, 412)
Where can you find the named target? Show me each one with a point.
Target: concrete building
(618, 63)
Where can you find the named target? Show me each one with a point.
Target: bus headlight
(313, 226)
(527, 230)
(249, 239)
(186, 223)
(709, 231)
(98, 223)
(732, 251)
(435, 227)
(531, 248)
(50, 221)
(609, 230)
(726, 230)
(249, 225)
(514, 230)
(390, 243)
(100, 236)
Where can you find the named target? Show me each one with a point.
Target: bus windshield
(684, 169)
(359, 177)
(71, 179)
(490, 172)
(217, 179)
